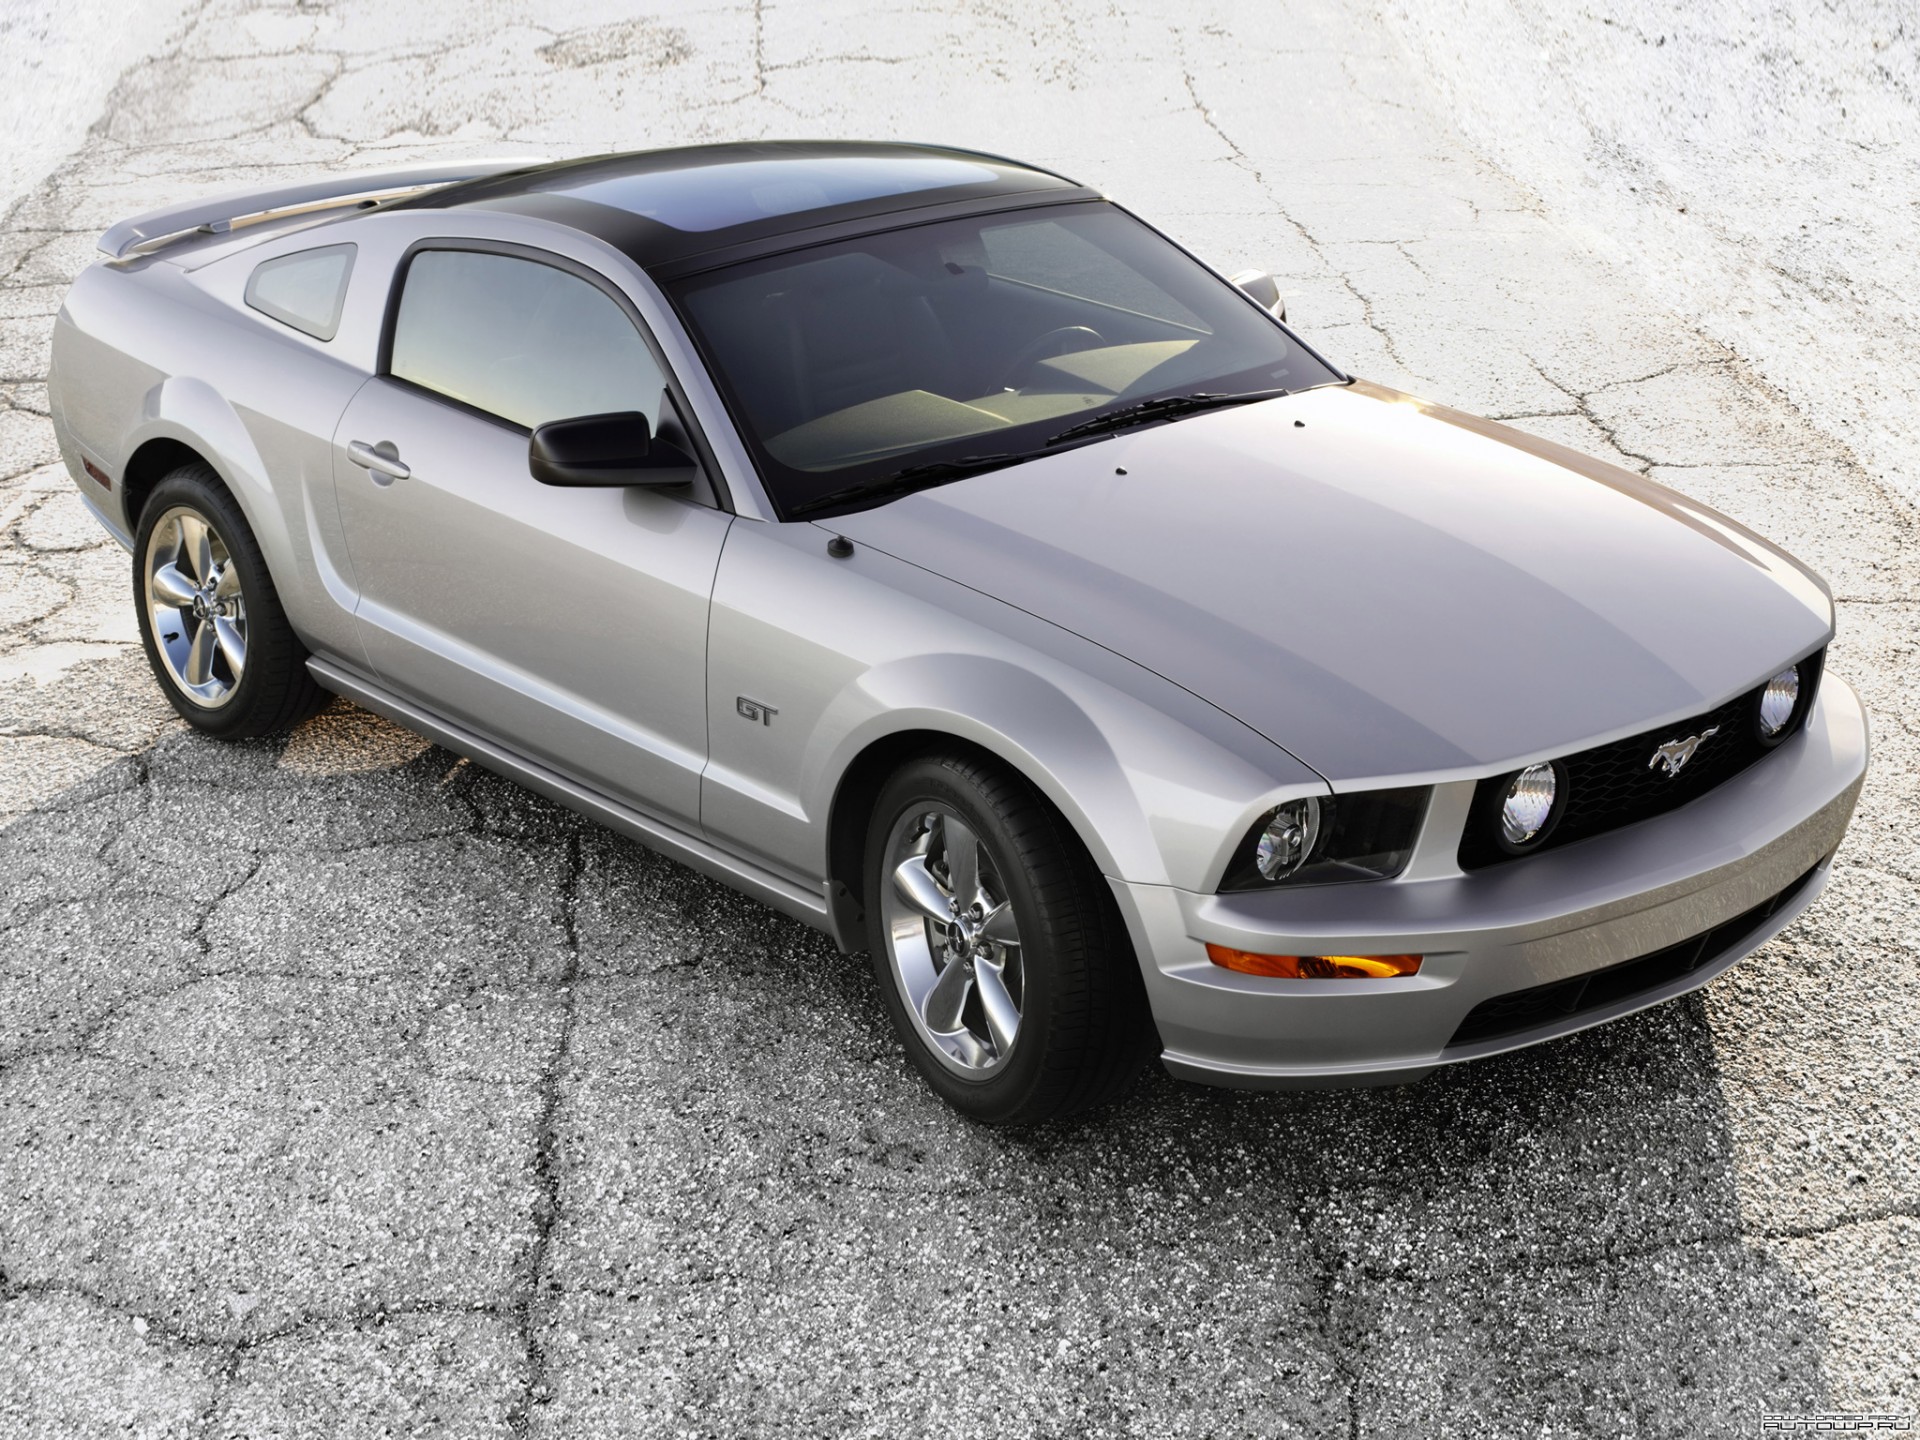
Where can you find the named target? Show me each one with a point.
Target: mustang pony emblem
(1675, 754)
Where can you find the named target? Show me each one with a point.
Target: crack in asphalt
(197, 936)
(546, 1163)
(155, 1324)
(759, 47)
(1645, 463)
(1238, 156)
(230, 1348)
(1335, 1331)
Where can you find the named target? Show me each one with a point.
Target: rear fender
(192, 413)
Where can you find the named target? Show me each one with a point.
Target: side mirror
(616, 449)
(1264, 291)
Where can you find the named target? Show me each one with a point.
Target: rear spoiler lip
(236, 208)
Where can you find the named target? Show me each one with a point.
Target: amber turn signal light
(1314, 967)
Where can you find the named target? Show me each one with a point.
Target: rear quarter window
(306, 290)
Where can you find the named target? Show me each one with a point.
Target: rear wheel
(997, 946)
(210, 621)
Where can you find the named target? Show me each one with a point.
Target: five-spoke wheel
(195, 607)
(997, 944)
(955, 939)
(210, 620)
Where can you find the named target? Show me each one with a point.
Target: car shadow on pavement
(294, 1040)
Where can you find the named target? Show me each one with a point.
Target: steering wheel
(1063, 341)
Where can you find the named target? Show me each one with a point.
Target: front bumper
(1565, 913)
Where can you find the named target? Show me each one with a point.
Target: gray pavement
(347, 1090)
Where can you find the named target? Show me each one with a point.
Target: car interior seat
(853, 328)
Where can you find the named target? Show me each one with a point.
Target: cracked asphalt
(347, 1090)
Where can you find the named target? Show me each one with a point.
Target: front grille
(1520, 1010)
(1617, 784)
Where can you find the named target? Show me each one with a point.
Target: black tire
(273, 692)
(1084, 1028)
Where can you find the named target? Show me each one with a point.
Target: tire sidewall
(999, 1096)
(190, 488)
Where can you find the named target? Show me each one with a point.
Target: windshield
(846, 363)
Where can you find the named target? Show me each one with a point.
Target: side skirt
(808, 906)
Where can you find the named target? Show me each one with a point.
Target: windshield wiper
(914, 477)
(1165, 408)
(938, 472)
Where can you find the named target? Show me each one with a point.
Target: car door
(570, 624)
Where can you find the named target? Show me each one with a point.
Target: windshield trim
(907, 217)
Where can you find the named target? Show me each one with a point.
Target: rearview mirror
(1264, 291)
(615, 449)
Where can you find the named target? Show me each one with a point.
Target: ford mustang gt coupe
(927, 546)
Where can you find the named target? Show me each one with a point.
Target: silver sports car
(927, 546)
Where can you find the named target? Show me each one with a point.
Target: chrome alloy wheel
(954, 941)
(195, 608)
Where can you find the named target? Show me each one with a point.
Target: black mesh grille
(1542, 1005)
(1617, 784)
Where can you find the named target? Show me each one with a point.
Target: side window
(524, 341)
(305, 291)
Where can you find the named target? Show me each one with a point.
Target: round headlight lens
(1529, 804)
(1778, 701)
(1288, 839)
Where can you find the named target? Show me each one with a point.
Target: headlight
(1287, 839)
(1326, 840)
(1530, 806)
(1778, 700)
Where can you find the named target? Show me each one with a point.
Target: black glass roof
(665, 207)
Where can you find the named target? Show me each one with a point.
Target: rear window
(306, 291)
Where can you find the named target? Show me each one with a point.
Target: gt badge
(753, 710)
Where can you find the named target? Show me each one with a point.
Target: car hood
(1379, 585)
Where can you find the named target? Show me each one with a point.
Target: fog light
(1314, 967)
(1529, 805)
(1778, 702)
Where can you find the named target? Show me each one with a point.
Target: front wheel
(998, 949)
(210, 621)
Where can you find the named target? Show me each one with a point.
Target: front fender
(813, 662)
(1021, 717)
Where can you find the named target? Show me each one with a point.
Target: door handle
(382, 461)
